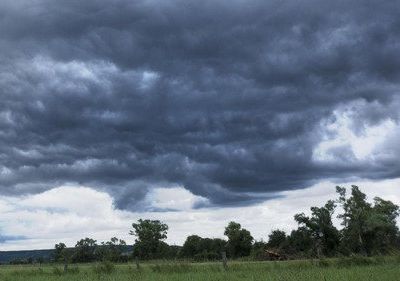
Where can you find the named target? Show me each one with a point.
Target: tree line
(368, 228)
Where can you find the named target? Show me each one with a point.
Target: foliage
(367, 228)
(59, 250)
(300, 243)
(105, 267)
(258, 250)
(325, 235)
(85, 250)
(111, 250)
(277, 239)
(149, 235)
(239, 240)
(201, 249)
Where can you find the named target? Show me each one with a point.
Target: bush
(73, 270)
(104, 267)
(57, 271)
(206, 256)
(172, 268)
(156, 268)
(355, 260)
(323, 263)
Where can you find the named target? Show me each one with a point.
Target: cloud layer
(233, 100)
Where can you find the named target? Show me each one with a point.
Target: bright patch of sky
(363, 143)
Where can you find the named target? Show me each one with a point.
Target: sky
(192, 112)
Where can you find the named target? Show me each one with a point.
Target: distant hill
(8, 256)
(45, 255)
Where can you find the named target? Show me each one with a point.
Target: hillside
(8, 256)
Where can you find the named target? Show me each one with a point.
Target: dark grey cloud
(229, 99)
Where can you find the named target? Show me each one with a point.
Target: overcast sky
(192, 112)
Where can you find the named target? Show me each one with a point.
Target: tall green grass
(351, 268)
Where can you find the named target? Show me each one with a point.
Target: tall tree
(356, 211)
(149, 235)
(325, 235)
(382, 228)
(59, 252)
(276, 239)
(239, 240)
(367, 228)
(191, 247)
(300, 243)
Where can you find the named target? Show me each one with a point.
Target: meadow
(356, 268)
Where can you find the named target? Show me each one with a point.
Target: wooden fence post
(224, 260)
(65, 264)
(137, 263)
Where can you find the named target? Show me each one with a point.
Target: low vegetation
(350, 268)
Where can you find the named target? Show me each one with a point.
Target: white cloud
(69, 213)
(175, 198)
(364, 145)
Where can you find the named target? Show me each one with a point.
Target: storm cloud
(233, 100)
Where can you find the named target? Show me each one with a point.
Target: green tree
(356, 211)
(239, 240)
(111, 250)
(300, 243)
(166, 251)
(191, 247)
(367, 228)
(198, 248)
(59, 252)
(325, 235)
(85, 250)
(149, 235)
(276, 239)
(382, 226)
(258, 250)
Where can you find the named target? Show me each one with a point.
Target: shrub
(104, 267)
(73, 270)
(156, 268)
(172, 268)
(57, 271)
(355, 260)
(323, 263)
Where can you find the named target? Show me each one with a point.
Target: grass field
(383, 268)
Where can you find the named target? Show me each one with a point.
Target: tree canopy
(149, 237)
(239, 240)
